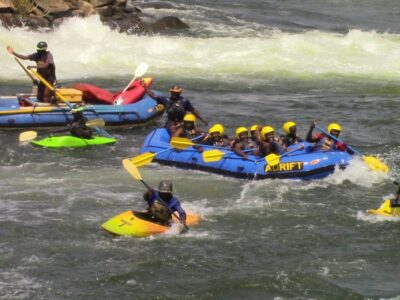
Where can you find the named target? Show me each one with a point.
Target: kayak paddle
(139, 72)
(134, 172)
(31, 135)
(372, 162)
(27, 136)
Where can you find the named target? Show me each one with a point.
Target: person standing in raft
(242, 142)
(267, 142)
(291, 137)
(325, 143)
(177, 107)
(45, 67)
(157, 209)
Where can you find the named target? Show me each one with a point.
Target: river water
(241, 63)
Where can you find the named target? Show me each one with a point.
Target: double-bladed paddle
(31, 135)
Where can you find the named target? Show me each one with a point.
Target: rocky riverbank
(121, 15)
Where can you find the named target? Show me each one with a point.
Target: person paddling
(216, 137)
(45, 67)
(177, 107)
(242, 142)
(395, 202)
(291, 137)
(77, 126)
(157, 209)
(267, 142)
(324, 142)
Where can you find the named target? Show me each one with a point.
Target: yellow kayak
(386, 210)
(138, 224)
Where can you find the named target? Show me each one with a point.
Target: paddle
(216, 154)
(274, 159)
(34, 80)
(147, 157)
(373, 163)
(133, 170)
(31, 135)
(139, 72)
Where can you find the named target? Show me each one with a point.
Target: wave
(85, 48)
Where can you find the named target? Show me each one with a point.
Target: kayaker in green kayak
(77, 126)
(157, 209)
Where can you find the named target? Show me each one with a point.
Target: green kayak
(72, 142)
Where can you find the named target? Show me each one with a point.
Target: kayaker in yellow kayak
(395, 202)
(156, 208)
(45, 67)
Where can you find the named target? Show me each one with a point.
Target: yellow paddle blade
(46, 83)
(27, 136)
(96, 123)
(180, 143)
(375, 164)
(272, 159)
(143, 159)
(213, 155)
(131, 169)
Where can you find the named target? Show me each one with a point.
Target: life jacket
(289, 140)
(243, 145)
(324, 143)
(275, 147)
(176, 110)
(159, 212)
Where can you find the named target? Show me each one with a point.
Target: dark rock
(105, 11)
(7, 7)
(100, 3)
(168, 23)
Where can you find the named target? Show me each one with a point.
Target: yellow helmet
(334, 126)
(216, 128)
(286, 127)
(176, 89)
(254, 127)
(265, 130)
(189, 118)
(240, 130)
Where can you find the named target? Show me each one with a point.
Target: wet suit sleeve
(32, 57)
(187, 105)
(176, 206)
(162, 100)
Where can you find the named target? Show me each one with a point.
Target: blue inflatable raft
(300, 164)
(17, 114)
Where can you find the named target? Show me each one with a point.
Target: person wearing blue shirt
(176, 106)
(157, 209)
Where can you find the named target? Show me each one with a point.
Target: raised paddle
(133, 170)
(139, 72)
(372, 162)
(31, 135)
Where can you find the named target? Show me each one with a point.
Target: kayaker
(176, 106)
(395, 202)
(325, 143)
(291, 137)
(242, 142)
(216, 137)
(157, 209)
(78, 126)
(45, 67)
(268, 142)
